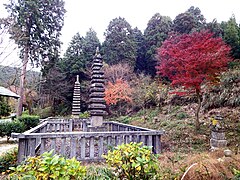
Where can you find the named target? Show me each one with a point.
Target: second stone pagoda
(97, 106)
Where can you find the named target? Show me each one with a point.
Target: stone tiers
(218, 140)
(97, 107)
(76, 105)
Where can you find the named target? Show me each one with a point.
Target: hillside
(10, 76)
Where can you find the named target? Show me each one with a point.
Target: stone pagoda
(97, 107)
(76, 105)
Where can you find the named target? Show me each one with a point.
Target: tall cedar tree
(231, 35)
(119, 45)
(191, 60)
(190, 21)
(155, 33)
(36, 30)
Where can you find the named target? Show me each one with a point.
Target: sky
(97, 14)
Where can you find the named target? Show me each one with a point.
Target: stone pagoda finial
(97, 51)
(77, 78)
(97, 54)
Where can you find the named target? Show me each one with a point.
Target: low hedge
(30, 121)
(8, 159)
(8, 127)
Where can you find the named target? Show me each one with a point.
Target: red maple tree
(117, 92)
(190, 60)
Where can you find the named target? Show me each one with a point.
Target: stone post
(218, 139)
(97, 107)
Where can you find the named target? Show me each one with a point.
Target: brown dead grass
(212, 166)
(203, 166)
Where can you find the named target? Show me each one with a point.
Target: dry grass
(204, 166)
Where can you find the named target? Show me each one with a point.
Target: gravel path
(5, 146)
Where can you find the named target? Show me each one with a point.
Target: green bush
(49, 167)
(8, 159)
(84, 115)
(8, 127)
(44, 112)
(100, 173)
(132, 161)
(236, 174)
(30, 121)
(181, 115)
(4, 107)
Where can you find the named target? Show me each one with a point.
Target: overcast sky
(84, 14)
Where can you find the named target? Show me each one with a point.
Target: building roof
(6, 92)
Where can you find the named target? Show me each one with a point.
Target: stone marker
(218, 139)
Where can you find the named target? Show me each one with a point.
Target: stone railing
(60, 136)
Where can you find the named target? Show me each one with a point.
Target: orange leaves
(119, 91)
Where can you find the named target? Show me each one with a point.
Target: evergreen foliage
(4, 107)
(231, 35)
(119, 45)
(36, 27)
(190, 21)
(155, 34)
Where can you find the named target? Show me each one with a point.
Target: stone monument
(76, 105)
(218, 139)
(97, 107)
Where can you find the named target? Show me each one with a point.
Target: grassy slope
(182, 146)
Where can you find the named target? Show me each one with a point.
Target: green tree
(190, 21)
(155, 33)
(215, 28)
(91, 42)
(139, 38)
(119, 45)
(231, 35)
(74, 62)
(36, 30)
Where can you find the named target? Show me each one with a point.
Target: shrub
(132, 161)
(30, 121)
(4, 107)
(236, 174)
(8, 159)
(84, 115)
(9, 127)
(43, 112)
(49, 166)
(100, 173)
(181, 115)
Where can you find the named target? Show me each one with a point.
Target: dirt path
(5, 146)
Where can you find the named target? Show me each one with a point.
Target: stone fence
(76, 138)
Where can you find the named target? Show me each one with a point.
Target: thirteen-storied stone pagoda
(76, 105)
(97, 107)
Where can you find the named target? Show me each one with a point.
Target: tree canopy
(119, 45)
(156, 32)
(190, 60)
(189, 21)
(37, 24)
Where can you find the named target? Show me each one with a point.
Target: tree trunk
(197, 123)
(22, 81)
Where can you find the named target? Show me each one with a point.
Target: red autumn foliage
(119, 91)
(190, 60)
